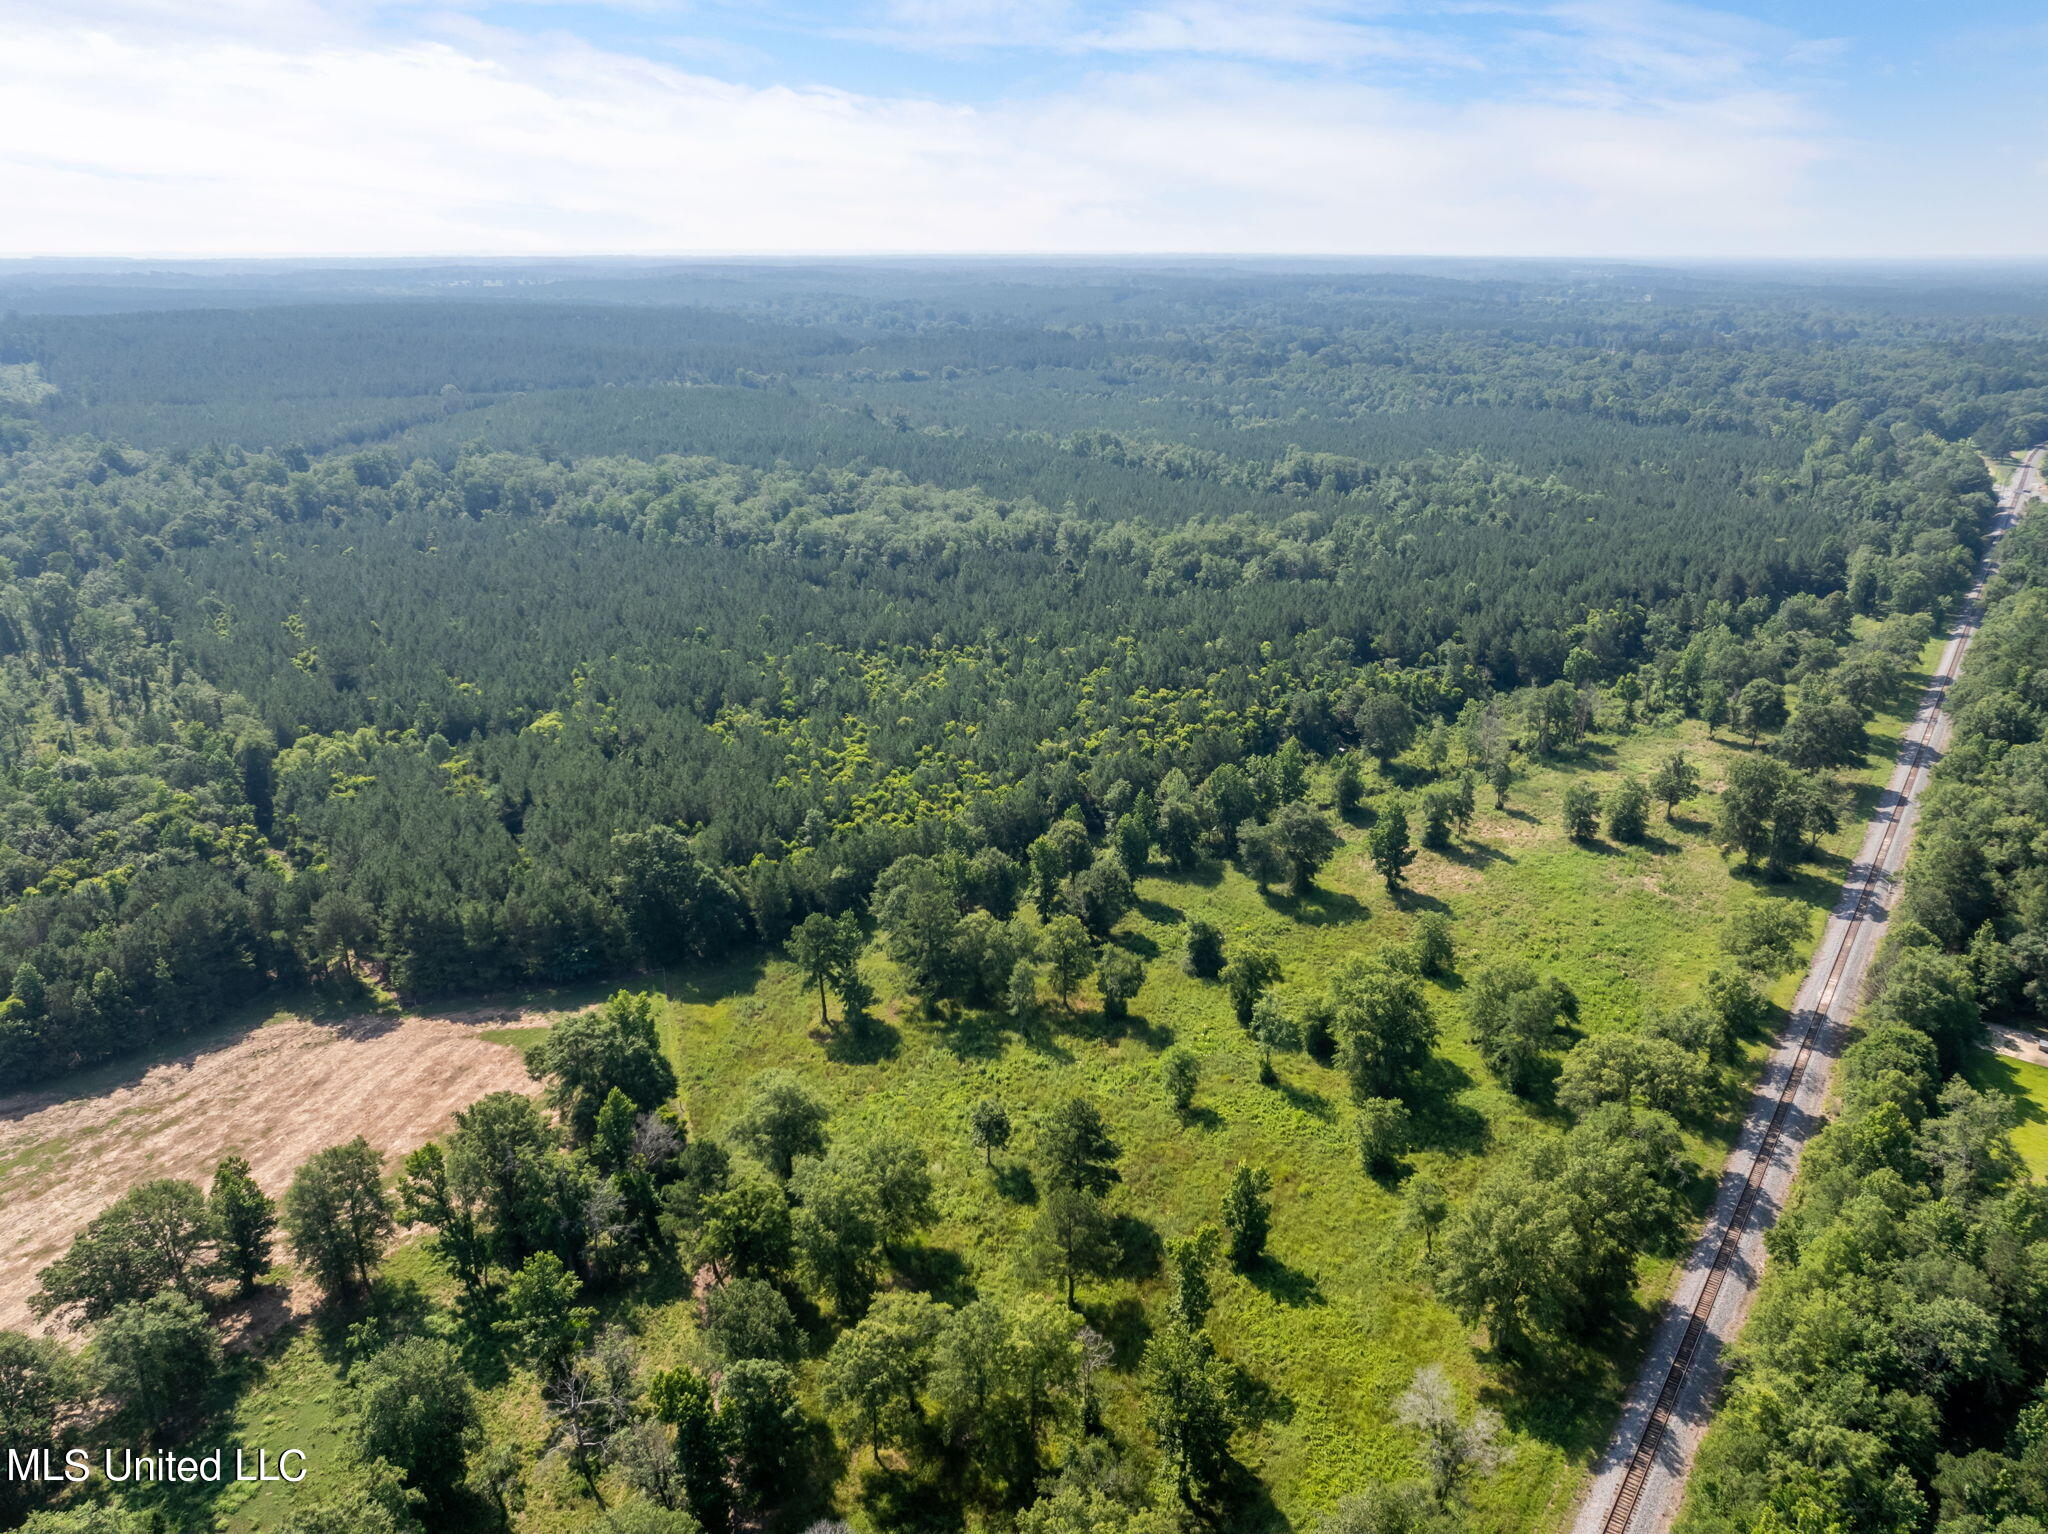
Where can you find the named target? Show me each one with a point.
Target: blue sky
(1629, 128)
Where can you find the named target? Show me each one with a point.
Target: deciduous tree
(338, 1217)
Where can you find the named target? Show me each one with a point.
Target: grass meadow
(1334, 1325)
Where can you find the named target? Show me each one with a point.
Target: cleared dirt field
(276, 1094)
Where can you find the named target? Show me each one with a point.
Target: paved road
(1640, 1480)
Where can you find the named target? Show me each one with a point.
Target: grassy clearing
(2027, 1085)
(1335, 1324)
(1342, 1317)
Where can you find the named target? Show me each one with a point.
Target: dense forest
(270, 711)
(900, 625)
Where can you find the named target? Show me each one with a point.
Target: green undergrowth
(1335, 1323)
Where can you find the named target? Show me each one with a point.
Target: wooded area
(930, 656)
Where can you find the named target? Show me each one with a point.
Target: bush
(1178, 1074)
(1201, 953)
(1432, 945)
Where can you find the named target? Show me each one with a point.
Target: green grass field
(2027, 1085)
(1336, 1323)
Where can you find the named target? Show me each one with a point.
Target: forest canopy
(822, 579)
(1137, 881)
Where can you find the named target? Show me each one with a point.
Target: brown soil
(276, 1094)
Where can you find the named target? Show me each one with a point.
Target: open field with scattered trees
(1095, 915)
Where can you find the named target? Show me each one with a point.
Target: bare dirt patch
(276, 1094)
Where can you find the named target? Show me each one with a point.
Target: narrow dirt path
(1640, 1479)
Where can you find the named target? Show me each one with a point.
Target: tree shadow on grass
(904, 1502)
(817, 1329)
(477, 1339)
(344, 1329)
(873, 1042)
(939, 1271)
(1123, 1324)
(1201, 1116)
(1246, 1505)
(1159, 911)
(1013, 1181)
(665, 1281)
(1388, 1175)
(1474, 854)
(973, 1035)
(817, 1466)
(1139, 1249)
(1408, 898)
(1099, 1027)
(1437, 1120)
(211, 1428)
(1718, 1113)
(1283, 1283)
(1319, 907)
(1571, 1392)
(1816, 883)
(1308, 1100)
(1258, 1399)
(1539, 1095)
(1139, 944)
(349, 998)
(704, 985)
(1036, 1033)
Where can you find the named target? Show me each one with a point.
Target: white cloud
(321, 137)
(1315, 32)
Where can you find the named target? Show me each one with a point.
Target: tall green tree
(1193, 1413)
(1674, 781)
(242, 1219)
(540, 1319)
(586, 1055)
(412, 1406)
(1075, 1148)
(873, 1375)
(338, 1217)
(428, 1195)
(155, 1361)
(1248, 1214)
(1073, 1237)
(782, 1121)
(155, 1237)
(1388, 847)
(676, 905)
(42, 1390)
(825, 950)
(988, 1126)
(1069, 957)
(1383, 1025)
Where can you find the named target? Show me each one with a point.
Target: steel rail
(1916, 749)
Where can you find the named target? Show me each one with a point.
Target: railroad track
(1623, 1497)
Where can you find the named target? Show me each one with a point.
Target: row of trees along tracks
(1640, 1480)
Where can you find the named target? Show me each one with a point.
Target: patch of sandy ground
(275, 1094)
(2017, 1042)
